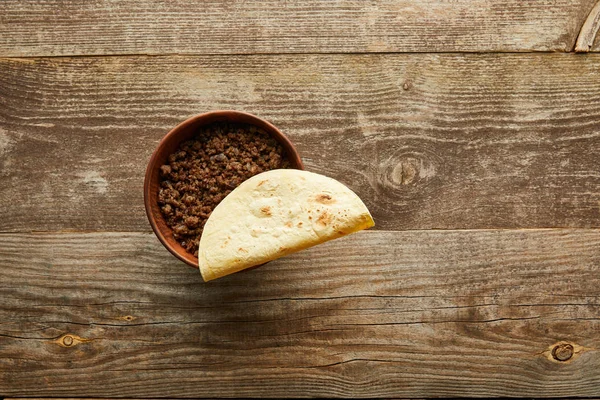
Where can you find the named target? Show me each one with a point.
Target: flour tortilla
(276, 213)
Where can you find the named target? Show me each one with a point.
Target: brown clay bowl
(182, 132)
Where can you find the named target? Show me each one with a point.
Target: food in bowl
(205, 169)
(276, 213)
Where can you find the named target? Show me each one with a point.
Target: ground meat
(206, 169)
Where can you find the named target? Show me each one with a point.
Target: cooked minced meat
(206, 169)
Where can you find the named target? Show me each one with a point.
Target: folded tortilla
(276, 213)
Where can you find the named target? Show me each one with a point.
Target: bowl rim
(274, 131)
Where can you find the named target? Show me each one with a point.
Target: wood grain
(596, 45)
(427, 141)
(376, 314)
(98, 27)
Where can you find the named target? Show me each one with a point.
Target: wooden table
(471, 129)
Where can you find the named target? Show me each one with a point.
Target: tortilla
(276, 213)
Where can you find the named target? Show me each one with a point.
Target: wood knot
(67, 340)
(405, 172)
(70, 340)
(408, 169)
(563, 352)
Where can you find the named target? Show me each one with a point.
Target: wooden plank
(376, 314)
(98, 27)
(428, 141)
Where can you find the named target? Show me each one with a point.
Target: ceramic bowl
(169, 144)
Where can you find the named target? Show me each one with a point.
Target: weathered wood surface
(444, 141)
(98, 27)
(419, 313)
(428, 141)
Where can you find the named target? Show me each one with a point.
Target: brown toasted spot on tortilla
(282, 249)
(324, 199)
(341, 232)
(299, 224)
(289, 224)
(266, 210)
(324, 219)
(242, 250)
(260, 183)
